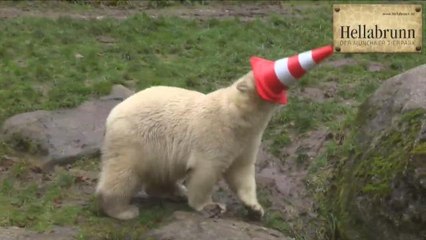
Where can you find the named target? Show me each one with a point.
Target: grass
(275, 220)
(50, 64)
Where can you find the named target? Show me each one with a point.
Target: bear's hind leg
(116, 187)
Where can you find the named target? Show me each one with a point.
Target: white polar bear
(162, 135)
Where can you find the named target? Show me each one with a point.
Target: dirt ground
(217, 10)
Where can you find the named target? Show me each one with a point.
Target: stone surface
(379, 190)
(399, 94)
(63, 135)
(190, 226)
(57, 233)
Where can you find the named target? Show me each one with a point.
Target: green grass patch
(275, 220)
(64, 197)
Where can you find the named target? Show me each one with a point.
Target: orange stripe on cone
(294, 67)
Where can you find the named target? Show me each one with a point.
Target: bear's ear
(242, 86)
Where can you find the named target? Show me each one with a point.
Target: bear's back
(154, 100)
(163, 94)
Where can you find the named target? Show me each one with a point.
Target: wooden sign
(386, 28)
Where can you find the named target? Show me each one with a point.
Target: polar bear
(161, 136)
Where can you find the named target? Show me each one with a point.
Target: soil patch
(245, 11)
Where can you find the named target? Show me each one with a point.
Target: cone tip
(321, 53)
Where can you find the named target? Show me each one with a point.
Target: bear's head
(246, 92)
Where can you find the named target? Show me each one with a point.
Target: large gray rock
(190, 226)
(64, 135)
(379, 191)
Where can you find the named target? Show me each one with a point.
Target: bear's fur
(161, 136)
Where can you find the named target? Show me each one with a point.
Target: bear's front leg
(241, 179)
(201, 180)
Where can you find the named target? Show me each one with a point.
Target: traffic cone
(274, 77)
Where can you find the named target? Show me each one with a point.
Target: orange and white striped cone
(274, 77)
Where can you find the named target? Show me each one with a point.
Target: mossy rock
(379, 190)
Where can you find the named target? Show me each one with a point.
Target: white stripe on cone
(282, 72)
(282, 69)
(306, 60)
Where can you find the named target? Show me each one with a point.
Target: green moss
(366, 112)
(374, 188)
(370, 169)
(413, 116)
(383, 162)
(419, 149)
